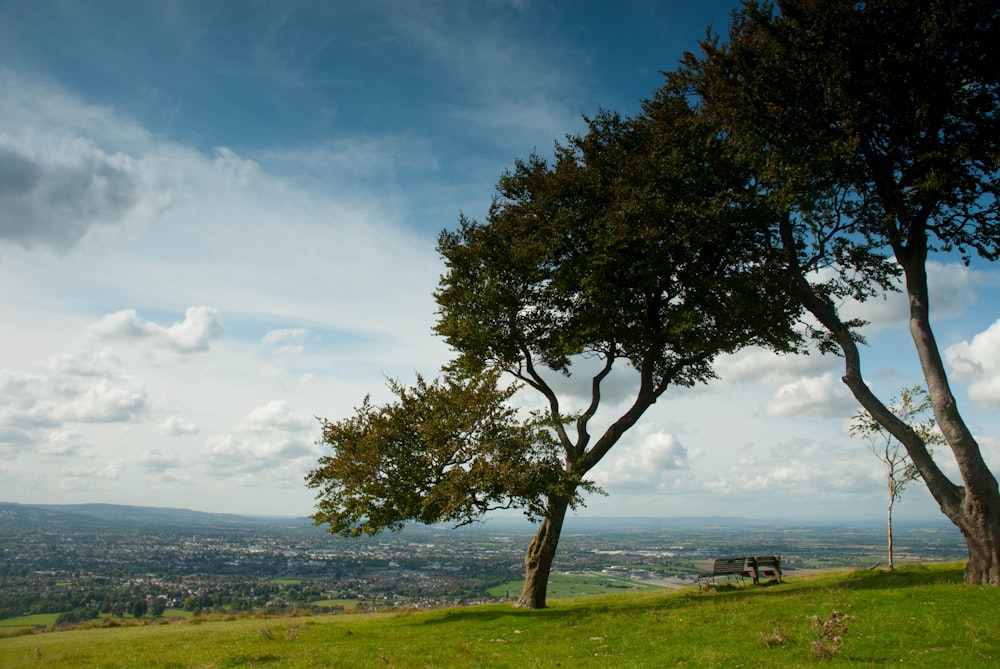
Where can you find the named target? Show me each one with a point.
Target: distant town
(68, 564)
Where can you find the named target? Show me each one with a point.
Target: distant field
(45, 619)
(562, 586)
(29, 621)
(347, 604)
(918, 616)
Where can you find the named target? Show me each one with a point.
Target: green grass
(347, 604)
(562, 586)
(47, 619)
(38, 619)
(916, 617)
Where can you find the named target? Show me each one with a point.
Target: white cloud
(824, 396)
(288, 341)
(175, 425)
(84, 387)
(285, 335)
(642, 465)
(797, 468)
(201, 325)
(156, 461)
(339, 237)
(26, 399)
(106, 401)
(268, 435)
(951, 289)
(110, 472)
(797, 477)
(64, 443)
(277, 414)
(85, 363)
(978, 363)
(766, 367)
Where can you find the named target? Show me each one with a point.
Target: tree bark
(973, 507)
(978, 515)
(981, 528)
(892, 565)
(541, 552)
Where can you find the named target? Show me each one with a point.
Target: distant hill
(116, 517)
(95, 517)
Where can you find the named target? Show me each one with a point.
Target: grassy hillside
(916, 617)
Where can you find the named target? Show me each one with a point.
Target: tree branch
(948, 495)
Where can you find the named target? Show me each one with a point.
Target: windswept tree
(912, 408)
(449, 450)
(874, 131)
(633, 248)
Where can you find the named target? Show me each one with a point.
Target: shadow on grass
(952, 574)
(862, 579)
(905, 577)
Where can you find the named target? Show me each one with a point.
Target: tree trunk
(889, 520)
(974, 507)
(978, 515)
(541, 552)
(981, 529)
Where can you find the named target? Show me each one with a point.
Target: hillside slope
(922, 616)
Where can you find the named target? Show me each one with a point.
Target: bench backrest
(729, 566)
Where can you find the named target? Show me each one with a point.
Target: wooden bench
(768, 565)
(741, 567)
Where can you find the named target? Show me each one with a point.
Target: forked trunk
(978, 514)
(980, 525)
(541, 552)
(973, 507)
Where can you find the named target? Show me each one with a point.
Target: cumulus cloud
(799, 467)
(642, 465)
(106, 401)
(951, 289)
(760, 365)
(268, 435)
(64, 443)
(85, 387)
(175, 425)
(51, 195)
(978, 363)
(823, 396)
(201, 325)
(277, 414)
(27, 400)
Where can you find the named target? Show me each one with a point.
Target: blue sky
(218, 220)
